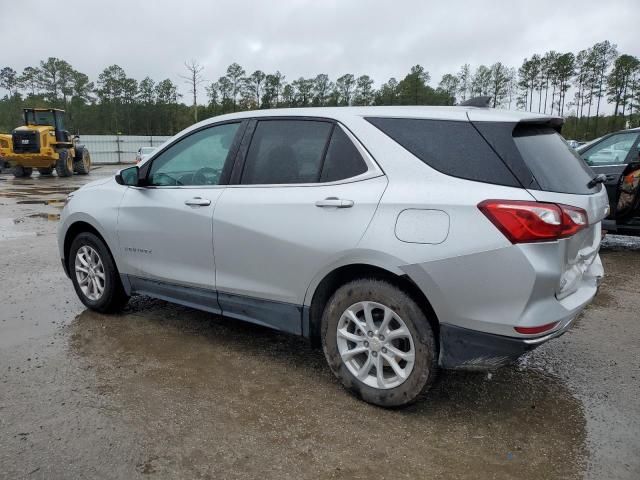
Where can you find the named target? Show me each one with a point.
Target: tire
(19, 171)
(64, 165)
(396, 390)
(82, 163)
(112, 297)
(45, 171)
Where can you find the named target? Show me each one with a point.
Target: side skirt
(286, 317)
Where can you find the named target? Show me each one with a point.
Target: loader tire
(64, 165)
(19, 171)
(82, 164)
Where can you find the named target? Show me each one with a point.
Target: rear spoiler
(480, 102)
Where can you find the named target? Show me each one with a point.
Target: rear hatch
(553, 172)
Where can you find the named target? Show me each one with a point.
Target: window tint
(555, 165)
(286, 151)
(611, 151)
(195, 160)
(343, 159)
(451, 147)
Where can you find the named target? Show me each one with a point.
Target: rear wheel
(82, 164)
(20, 171)
(45, 171)
(64, 165)
(94, 274)
(379, 343)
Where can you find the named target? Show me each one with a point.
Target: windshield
(40, 118)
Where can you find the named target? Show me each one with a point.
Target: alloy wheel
(90, 272)
(375, 345)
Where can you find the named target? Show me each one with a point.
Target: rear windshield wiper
(596, 180)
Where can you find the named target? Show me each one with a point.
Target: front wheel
(82, 164)
(64, 165)
(379, 343)
(94, 274)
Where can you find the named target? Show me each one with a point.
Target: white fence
(117, 148)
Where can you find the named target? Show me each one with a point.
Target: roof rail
(482, 102)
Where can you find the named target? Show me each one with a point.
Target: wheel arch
(343, 274)
(73, 230)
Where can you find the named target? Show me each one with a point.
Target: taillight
(523, 221)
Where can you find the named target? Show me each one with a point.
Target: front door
(165, 227)
(296, 210)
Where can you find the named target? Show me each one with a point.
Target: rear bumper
(465, 349)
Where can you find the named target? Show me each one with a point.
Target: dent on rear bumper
(480, 298)
(494, 291)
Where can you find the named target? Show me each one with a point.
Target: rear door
(613, 156)
(305, 196)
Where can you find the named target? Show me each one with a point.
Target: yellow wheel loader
(43, 143)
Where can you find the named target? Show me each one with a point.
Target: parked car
(617, 157)
(144, 152)
(400, 239)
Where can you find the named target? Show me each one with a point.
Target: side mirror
(128, 177)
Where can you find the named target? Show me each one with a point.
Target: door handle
(197, 202)
(334, 202)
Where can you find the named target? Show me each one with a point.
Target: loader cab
(48, 117)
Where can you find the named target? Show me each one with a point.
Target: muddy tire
(397, 362)
(19, 171)
(64, 165)
(94, 274)
(45, 171)
(82, 163)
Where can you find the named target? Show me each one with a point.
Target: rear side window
(343, 159)
(286, 151)
(452, 147)
(554, 164)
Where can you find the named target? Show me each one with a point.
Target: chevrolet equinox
(401, 239)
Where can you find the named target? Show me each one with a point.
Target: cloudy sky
(305, 37)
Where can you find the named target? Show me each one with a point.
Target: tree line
(576, 86)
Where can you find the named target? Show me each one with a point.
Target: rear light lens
(525, 222)
(534, 330)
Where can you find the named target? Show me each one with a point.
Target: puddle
(193, 374)
(54, 217)
(55, 202)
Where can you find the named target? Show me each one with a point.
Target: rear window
(452, 147)
(554, 164)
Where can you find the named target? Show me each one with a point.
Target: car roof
(424, 112)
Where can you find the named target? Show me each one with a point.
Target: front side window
(286, 151)
(197, 159)
(611, 151)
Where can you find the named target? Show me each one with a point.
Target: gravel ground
(169, 392)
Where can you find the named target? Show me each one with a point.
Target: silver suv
(401, 239)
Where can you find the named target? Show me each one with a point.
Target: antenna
(482, 102)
